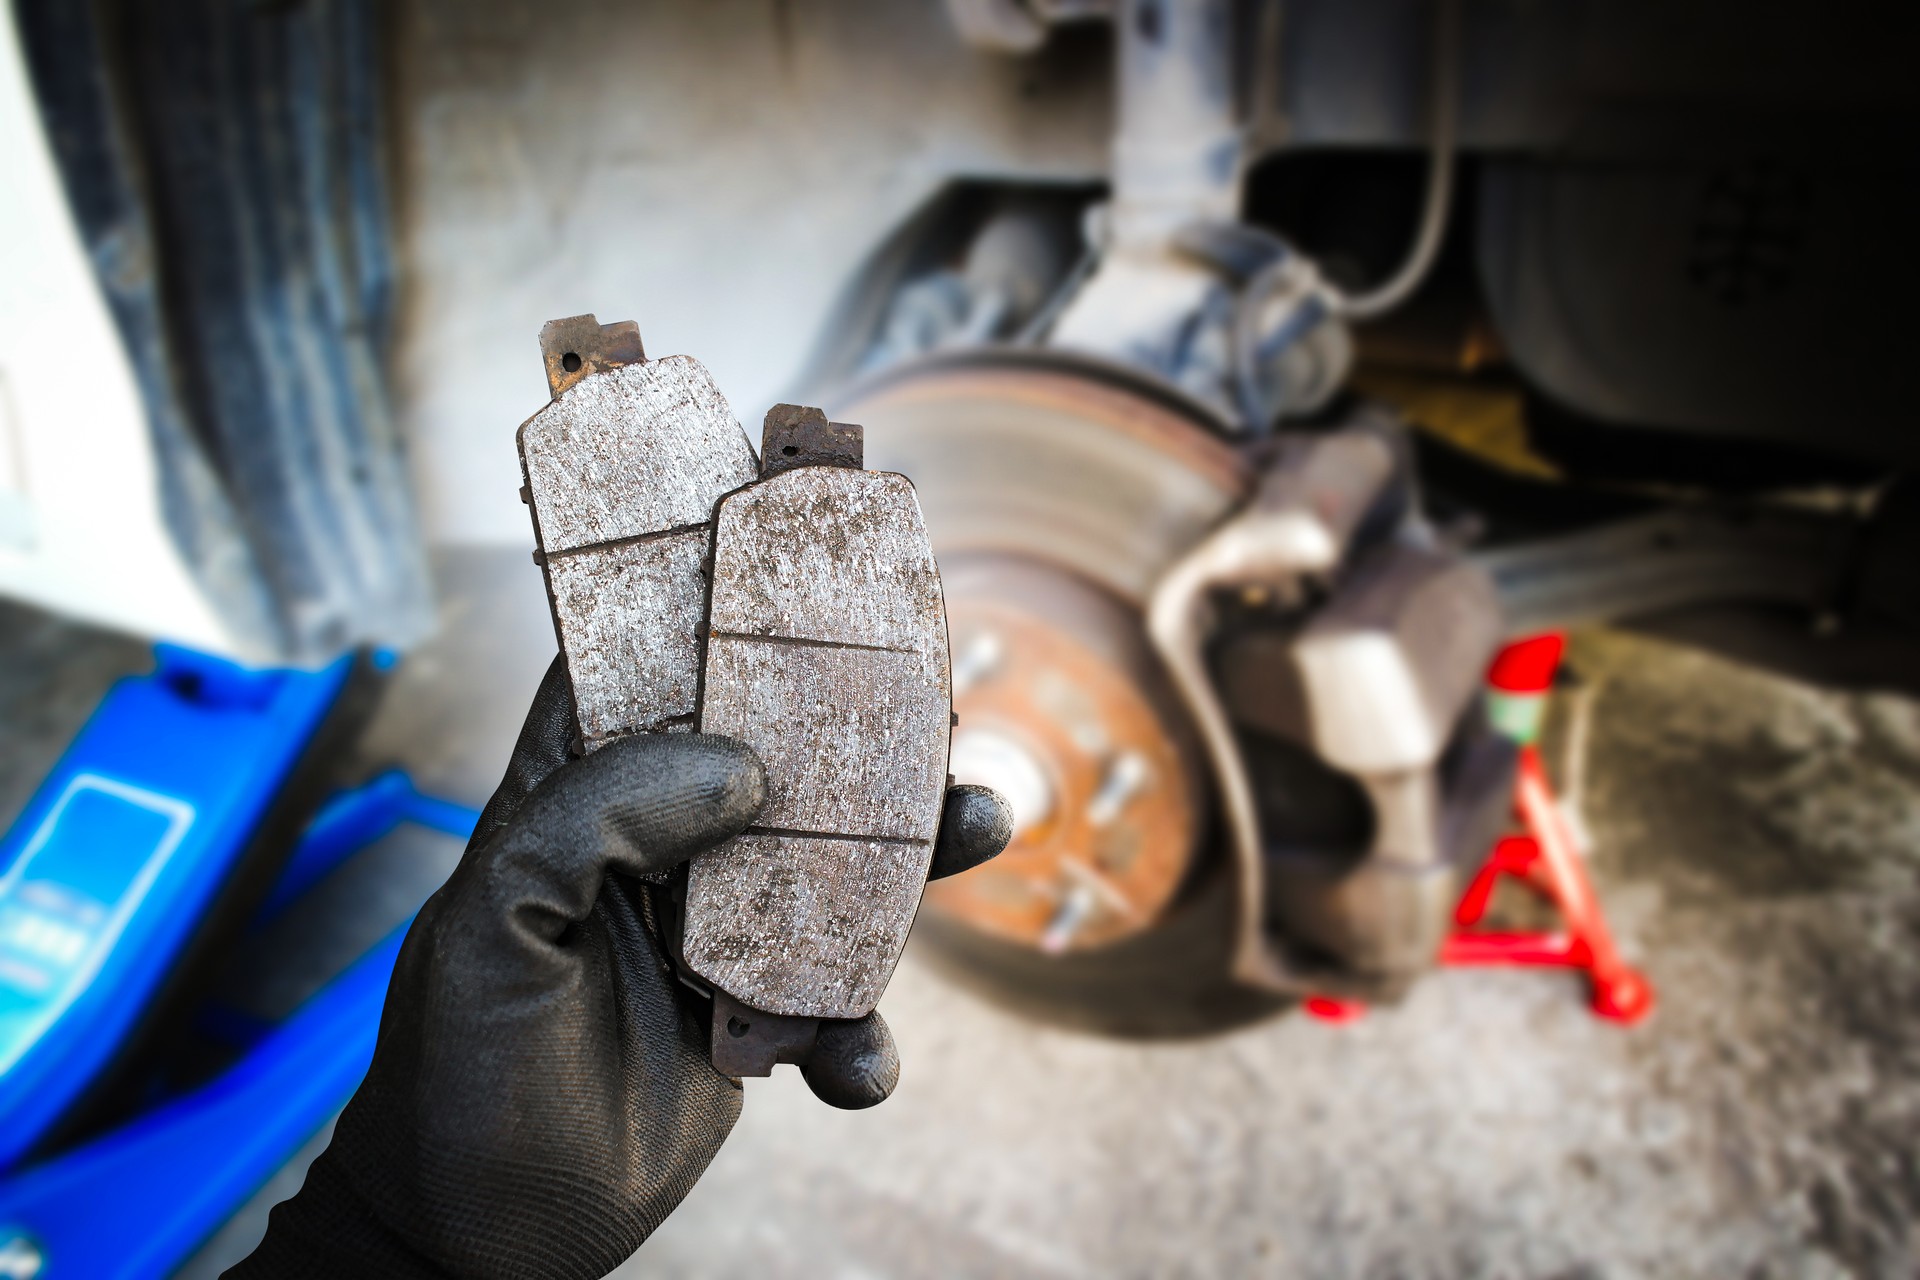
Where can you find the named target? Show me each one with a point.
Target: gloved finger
(542, 747)
(638, 805)
(854, 1064)
(975, 826)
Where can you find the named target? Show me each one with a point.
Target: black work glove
(540, 1096)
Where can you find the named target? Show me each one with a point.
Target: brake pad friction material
(826, 653)
(622, 471)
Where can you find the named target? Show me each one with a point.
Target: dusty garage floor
(1758, 844)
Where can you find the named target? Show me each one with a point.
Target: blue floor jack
(181, 812)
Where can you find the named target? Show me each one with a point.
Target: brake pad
(793, 604)
(827, 653)
(622, 471)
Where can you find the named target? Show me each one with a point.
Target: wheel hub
(1055, 493)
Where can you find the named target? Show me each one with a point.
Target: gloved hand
(540, 1096)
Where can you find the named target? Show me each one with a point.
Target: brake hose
(1445, 109)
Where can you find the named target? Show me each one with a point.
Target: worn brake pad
(793, 604)
(622, 471)
(827, 653)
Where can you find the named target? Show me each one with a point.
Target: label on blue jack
(68, 896)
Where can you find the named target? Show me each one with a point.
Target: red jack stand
(1333, 1009)
(1547, 858)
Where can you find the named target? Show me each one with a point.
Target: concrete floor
(1757, 843)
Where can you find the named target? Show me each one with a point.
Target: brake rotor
(1056, 491)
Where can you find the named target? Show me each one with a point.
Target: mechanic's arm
(540, 1096)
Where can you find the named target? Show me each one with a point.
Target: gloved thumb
(640, 805)
(854, 1064)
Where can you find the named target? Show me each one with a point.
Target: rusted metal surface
(1065, 459)
(622, 471)
(1063, 711)
(579, 346)
(797, 436)
(827, 653)
(1057, 490)
(751, 1042)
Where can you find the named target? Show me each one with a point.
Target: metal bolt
(1126, 774)
(977, 661)
(1073, 913)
